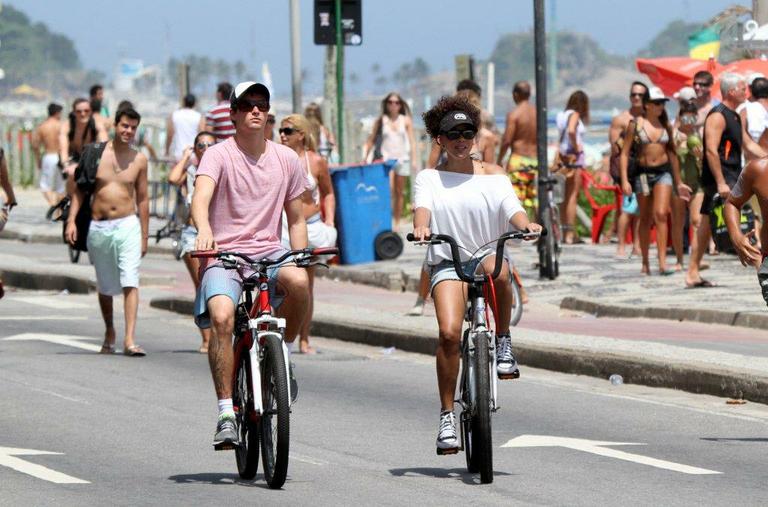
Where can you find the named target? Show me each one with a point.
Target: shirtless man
(753, 180)
(81, 129)
(520, 136)
(46, 136)
(702, 84)
(117, 238)
(615, 136)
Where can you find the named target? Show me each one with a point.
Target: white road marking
(43, 317)
(56, 302)
(599, 448)
(59, 339)
(8, 459)
(307, 459)
(44, 391)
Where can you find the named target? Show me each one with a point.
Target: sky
(394, 31)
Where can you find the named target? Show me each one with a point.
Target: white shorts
(50, 174)
(114, 248)
(319, 234)
(403, 168)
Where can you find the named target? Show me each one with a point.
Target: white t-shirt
(185, 124)
(474, 209)
(757, 119)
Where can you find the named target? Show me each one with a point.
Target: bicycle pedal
(446, 452)
(509, 376)
(225, 446)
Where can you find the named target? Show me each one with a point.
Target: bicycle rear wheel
(247, 455)
(481, 438)
(551, 266)
(274, 423)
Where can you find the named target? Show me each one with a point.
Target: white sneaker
(506, 365)
(446, 433)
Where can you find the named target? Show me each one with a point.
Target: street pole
(540, 54)
(295, 56)
(553, 48)
(339, 83)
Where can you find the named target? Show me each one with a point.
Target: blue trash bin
(363, 208)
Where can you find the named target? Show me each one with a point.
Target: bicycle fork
(274, 327)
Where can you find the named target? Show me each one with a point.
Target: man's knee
(222, 314)
(295, 280)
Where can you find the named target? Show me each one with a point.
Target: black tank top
(729, 148)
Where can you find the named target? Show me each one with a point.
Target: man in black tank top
(723, 144)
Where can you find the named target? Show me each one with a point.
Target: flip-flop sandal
(701, 284)
(107, 349)
(668, 272)
(134, 351)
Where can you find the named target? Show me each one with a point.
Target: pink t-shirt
(246, 209)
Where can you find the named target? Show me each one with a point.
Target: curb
(703, 379)
(742, 319)
(51, 239)
(46, 281)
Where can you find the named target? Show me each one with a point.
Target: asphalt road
(139, 431)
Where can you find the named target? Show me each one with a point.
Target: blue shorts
(218, 281)
(446, 271)
(659, 178)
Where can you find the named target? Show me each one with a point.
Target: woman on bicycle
(183, 175)
(570, 125)
(474, 202)
(392, 135)
(657, 167)
(319, 202)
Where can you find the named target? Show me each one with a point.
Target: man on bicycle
(242, 186)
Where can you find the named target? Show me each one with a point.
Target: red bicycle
(261, 392)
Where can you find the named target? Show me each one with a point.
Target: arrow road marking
(59, 339)
(599, 448)
(7, 459)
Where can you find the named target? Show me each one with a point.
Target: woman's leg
(679, 208)
(399, 198)
(694, 211)
(572, 184)
(504, 294)
(662, 194)
(645, 205)
(193, 266)
(450, 297)
(622, 224)
(304, 346)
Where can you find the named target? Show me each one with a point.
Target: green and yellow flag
(705, 43)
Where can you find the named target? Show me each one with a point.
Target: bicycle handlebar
(437, 239)
(312, 252)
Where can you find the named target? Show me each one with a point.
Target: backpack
(85, 179)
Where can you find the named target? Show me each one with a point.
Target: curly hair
(445, 105)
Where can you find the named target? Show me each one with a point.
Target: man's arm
(169, 133)
(102, 135)
(64, 142)
(74, 206)
(297, 226)
(748, 254)
(714, 127)
(35, 143)
(506, 140)
(614, 133)
(5, 182)
(752, 147)
(142, 202)
(201, 200)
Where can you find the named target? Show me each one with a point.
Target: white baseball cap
(655, 93)
(686, 93)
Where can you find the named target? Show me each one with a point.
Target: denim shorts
(660, 178)
(446, 271)
(218, 281)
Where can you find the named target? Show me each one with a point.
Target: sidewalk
(709, 358)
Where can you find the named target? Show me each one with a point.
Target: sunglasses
(83, 111)
(688, 120)
(202, 146)
(703, 85)
(246, 106)
(639, 95)
(288, 131)
(393, 102)
(468, 134)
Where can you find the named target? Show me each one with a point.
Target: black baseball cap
(455, 118)
(245, 87)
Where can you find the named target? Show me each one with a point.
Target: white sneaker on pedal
(506, 365)
(446, 432)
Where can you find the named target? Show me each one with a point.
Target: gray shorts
(445, 271)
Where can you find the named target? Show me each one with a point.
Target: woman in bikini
(319, 202)
(657, 167)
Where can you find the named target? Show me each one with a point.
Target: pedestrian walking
(81, 129)
(45, 147)
(100, 110)
(657, 168)
(474, 202)
(392, 138)
(183, 174)
(9, 200)
(324, 138)
(115, 175)
(723, 145)
(626, 221)
(242, 186)
(181, 128)
(318, 202)
(269, 130)
(690, 153)
(702, 85)
(217, 118)
(571, 130)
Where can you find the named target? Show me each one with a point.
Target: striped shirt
(218, 121)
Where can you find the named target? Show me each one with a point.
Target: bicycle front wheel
(247, 454)
(274, 422)
(481, 438)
